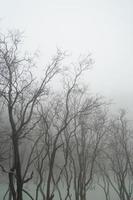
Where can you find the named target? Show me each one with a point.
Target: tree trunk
(17, 166)
(12, 192)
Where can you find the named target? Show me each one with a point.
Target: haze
(104, 28)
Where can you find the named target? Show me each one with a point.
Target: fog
(102, 28)
(62, 139)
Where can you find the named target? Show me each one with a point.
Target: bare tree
(21, 95)
(116, 170)
(58, 120)
(104, 184)
(87, 147)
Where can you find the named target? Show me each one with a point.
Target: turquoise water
(3, 189)
(94, 194)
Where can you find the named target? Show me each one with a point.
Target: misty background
(56, 130)
(103, 28)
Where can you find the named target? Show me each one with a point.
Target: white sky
(102, 27)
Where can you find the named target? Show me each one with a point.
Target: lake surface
(94, 194)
